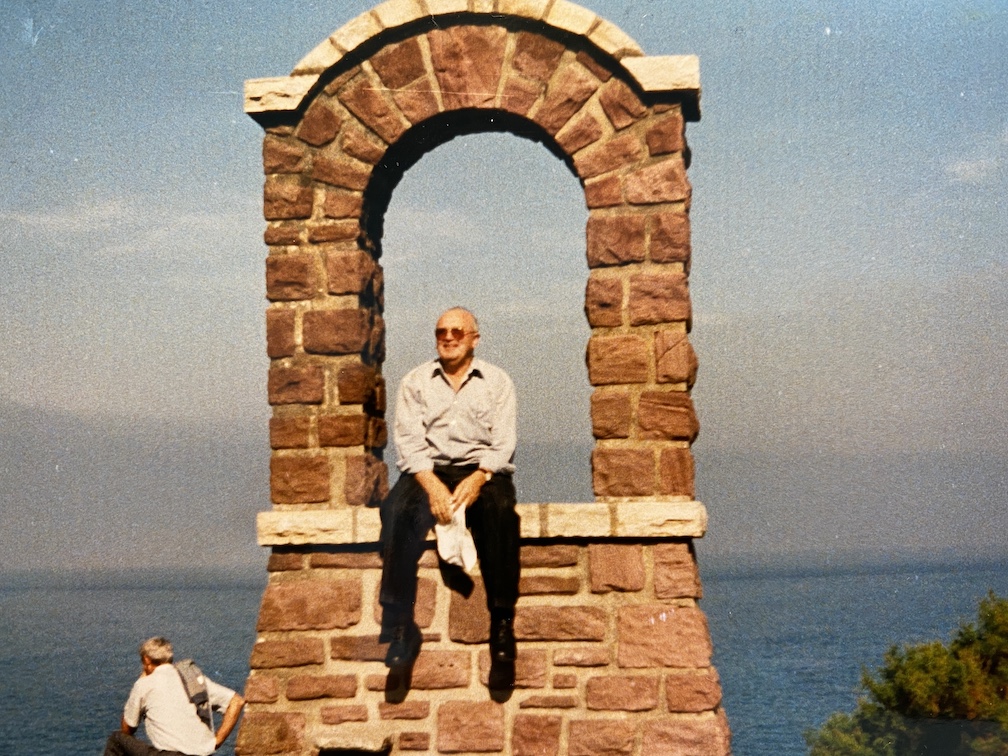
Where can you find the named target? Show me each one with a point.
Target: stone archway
(615, 650)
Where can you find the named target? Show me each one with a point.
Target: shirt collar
(475, 369)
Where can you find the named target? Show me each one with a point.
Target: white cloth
(454, 541)
(170, 719)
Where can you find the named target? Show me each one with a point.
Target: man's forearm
(125, 728)
(231, 714)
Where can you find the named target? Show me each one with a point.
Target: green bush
(931, 698)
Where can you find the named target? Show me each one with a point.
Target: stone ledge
(625, 518)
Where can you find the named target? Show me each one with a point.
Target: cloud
(990, 156)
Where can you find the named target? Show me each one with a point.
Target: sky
(849, 277)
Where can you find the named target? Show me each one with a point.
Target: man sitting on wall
(172, 723)
(455, 435)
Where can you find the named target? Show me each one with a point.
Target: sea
(790, 641)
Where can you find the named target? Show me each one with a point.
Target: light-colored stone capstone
(665, 73)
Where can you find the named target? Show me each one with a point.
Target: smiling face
(457, 336)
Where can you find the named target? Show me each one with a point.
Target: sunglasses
(455, 334)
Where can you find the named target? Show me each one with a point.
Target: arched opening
(495, 223)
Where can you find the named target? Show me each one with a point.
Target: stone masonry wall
(613, 658)
(614, 652)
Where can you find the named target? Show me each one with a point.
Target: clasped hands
(443, 502)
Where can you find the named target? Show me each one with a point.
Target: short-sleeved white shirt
(170, 718)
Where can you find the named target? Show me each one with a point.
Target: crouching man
(455, 434)
(173, 725)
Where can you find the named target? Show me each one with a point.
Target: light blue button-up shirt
(435, 425)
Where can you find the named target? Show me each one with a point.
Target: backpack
(195, 687)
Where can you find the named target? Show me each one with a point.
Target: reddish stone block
(341, 231)
(662, 635)
(335, 331)
(622, 693)
(299, 479)
(579, 133)
(468, 617)
(617, 359)
(359, 144)
(565, 682)
(616, 567)
(357, 648)
(320, 124)
(599, 71)
(615, 240)
(603, 192)
(290, 277)
(519, 95)
(675, 571)
(602, 737)
(558, 555)
(282, 234)
(262, 689)
(377, 436)
(296, 385)
(417, 101)
(550, 702)
(468, 61)
(604, 302)
(529, 670)
(693, 691)
(581, 656)
(290, 432)
(414, 741)
(280, 333)
(560, 623)
(676, 472)
(310, 687)
(341, 171)
(355, 384)
(659, 298)
(622, 107)
(311, 605)
(664, 182)
(609, 155)
(282, 156)
(297, 652)
(623, 472)
(365, 99)
(348, 271)
(346, 560)
(611, 414)
(397, 65)
(286, 198)
(342, 430)
(666, 135)
(334, 715)
(264, 732)
(536, 57)
(464, 726)
(339, 203)
(675, 360)
(705, 735)
(570, 90)
(404, 710)
(280, 561)
(366, 481)
(539, 585)
(535, 735)
(667, 415)
(670, 238)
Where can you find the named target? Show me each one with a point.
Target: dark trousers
(121, 744)
(406, 518)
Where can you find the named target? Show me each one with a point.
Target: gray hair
(158, 650)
